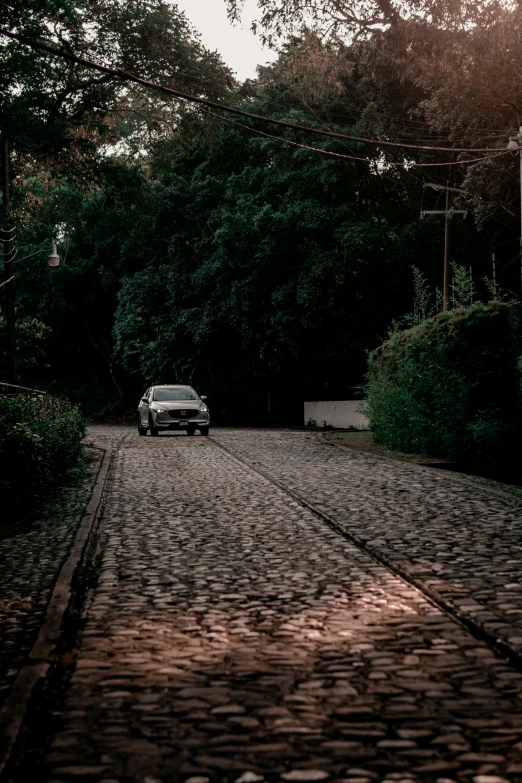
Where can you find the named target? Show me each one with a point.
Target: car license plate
(183, 423)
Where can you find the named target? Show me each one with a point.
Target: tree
(67, 124)
(33, 340)
(233, 255)
(270, 269)
(57, 111)
(447, 73)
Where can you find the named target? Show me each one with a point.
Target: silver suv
(173, 408)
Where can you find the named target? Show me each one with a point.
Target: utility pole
(7, 237)
(515, 145)
(519, 141)
(448, 212)
(445, 285)
(494, 275)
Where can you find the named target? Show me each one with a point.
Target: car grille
(189, 413)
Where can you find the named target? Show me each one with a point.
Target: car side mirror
(144, 399)
(204, 397)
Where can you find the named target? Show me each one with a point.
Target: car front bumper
(164, 422)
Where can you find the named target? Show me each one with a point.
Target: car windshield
(169, 394)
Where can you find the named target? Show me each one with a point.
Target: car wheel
(191, 430)
(153, 430)
(141, 429)
(204, 430)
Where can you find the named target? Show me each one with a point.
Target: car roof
(172, 386)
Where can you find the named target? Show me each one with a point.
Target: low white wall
(336, 413)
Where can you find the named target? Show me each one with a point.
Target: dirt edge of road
(507, 491)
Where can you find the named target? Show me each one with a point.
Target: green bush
(40, 447)
(450, 387)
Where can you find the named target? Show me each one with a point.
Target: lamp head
(513, 145)
(54, 258)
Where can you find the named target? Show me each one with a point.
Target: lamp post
(53, 259)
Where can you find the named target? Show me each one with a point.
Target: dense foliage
(61, 118)
(40, 447)
(234, 255)
(260, 279)
(33, 339)
(258, 270)
(450, 387)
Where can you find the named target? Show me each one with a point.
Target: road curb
(13, 712)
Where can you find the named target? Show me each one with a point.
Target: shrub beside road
(450, 387)
(40, 447)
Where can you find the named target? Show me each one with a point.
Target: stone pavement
(232, 636)
(459, 538)
(29, 564)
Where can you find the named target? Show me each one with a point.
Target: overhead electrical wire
(309, 108)
(336, 154)
(305, 103)
(430, 138)
(411, 122)
(491, 133)
(403, 164)
(196, 99)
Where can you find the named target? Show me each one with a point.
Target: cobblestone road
(461, 540)
(232, 636)
(29, 564)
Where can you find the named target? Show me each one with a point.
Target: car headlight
(159, 410)
(203, 410)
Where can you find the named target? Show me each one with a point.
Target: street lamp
(53, 258)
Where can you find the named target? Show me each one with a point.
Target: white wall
(338, 413)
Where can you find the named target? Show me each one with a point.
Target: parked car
(173, 407)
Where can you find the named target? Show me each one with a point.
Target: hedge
(40, 447)
(450, 387)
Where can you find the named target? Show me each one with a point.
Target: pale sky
(236, 44)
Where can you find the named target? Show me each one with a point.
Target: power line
(407, 130)
(350, 157)
(289, 86)
(431, 137)
(309, 108)
(130, 77)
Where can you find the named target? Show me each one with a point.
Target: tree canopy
(61, 117)
(257, 263)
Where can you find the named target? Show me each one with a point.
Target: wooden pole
(445, 289)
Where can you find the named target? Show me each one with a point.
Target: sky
(236, 44)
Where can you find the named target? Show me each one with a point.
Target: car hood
(178, 405)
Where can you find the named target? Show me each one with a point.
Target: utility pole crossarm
(443, 212)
